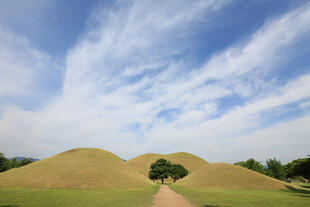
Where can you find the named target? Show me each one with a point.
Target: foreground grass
(304, 185)
(244, 198)
(77, 198)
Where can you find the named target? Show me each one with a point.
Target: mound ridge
(81, 168)
(228, 176)
(143, 162)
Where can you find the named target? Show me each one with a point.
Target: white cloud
(227, 138)
(266, 49)
(105, 105)
(304, 105)
(22, 67)
(286, 140)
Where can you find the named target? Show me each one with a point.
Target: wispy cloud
(26, 72)
(128, 87)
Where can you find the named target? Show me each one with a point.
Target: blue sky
(224, 79)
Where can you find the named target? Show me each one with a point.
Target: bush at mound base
(227, 176)
(83, 168)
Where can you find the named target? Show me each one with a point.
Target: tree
(24, 162)
(275, 169)
(13, 163)
(160, 170)
(178, 172)
(298, 167)
(3, 162)
(153, 175)
(252, 165)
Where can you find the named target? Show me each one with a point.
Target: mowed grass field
(203, 197)
(78, 198)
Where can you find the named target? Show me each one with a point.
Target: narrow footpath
(166, 197)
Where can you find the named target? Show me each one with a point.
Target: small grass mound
(143, 162)
(227, 176)
(82, 168)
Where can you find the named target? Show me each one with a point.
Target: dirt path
(168, 198)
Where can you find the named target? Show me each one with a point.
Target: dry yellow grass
(143, 162)
(227, 176)
(82, 168)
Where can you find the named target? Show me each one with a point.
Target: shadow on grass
(8, 205)
(207, 205)
(298, 192)
(304, 196)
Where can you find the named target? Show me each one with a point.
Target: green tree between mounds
(178, 172)
(275, 169)
(160, 170)
(252, 165)
(153, 175)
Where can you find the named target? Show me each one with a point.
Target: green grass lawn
(84, 198)
(244, 198)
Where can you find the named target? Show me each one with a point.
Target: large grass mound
(83, 168)
(227, 176)
(143, 162)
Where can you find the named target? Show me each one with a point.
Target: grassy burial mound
(143, 162)
(83, 168)
(227, 176)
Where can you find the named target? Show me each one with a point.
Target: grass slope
(206, 197)
(227, 176)
(143, 162)
(82, 168)
(141, 197)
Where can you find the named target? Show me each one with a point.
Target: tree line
(298, 169)
(7, 164)
(162, 169)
